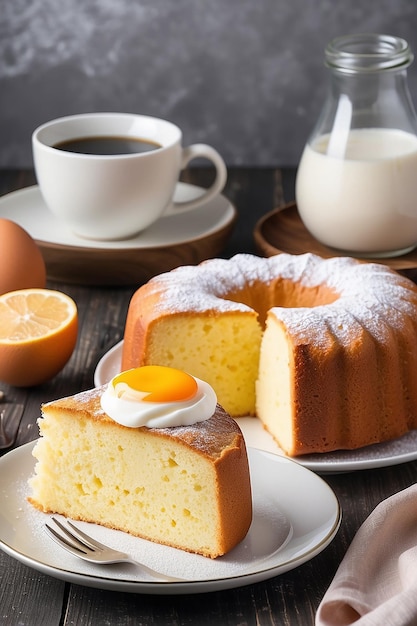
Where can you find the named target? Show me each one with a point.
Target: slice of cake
(150, 469)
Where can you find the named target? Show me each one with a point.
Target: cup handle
(200, 150)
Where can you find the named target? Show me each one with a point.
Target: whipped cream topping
(167, 398)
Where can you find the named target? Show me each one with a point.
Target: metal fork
(85, 547)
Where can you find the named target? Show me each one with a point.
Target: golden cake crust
(93, 469)
(350, 329)
(211, 437)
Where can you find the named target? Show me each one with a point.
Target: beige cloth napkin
(376, 583)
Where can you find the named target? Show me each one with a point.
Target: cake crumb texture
(187, 487)
(322, 351)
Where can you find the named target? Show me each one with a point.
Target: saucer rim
(227, 218)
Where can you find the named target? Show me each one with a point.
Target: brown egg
(21, 261)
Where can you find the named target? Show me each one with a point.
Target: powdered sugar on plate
(281, 537)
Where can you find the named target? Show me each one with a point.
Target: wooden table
(29, 598)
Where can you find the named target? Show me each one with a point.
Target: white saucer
(27, 208)
(296, 515)
(394, 452)
(187, 238)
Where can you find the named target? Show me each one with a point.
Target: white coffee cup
(102, 196)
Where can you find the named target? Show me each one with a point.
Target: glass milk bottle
(356, 186)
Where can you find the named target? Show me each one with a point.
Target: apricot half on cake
(157, 383)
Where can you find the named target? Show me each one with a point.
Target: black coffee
(107, 145)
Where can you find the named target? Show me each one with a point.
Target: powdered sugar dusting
(209, 437)
(368, 292)
(367, 297)
(361, 287)
(89, 398)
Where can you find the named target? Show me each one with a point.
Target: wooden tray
(282, 230)
(186, 239)
(130, 267)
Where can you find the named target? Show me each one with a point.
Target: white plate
(393, 452)
(27, 208)
(296, 515)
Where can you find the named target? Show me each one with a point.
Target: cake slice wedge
(183, 486)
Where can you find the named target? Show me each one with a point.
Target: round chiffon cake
(322, 351)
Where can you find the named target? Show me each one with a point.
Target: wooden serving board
(282, 230)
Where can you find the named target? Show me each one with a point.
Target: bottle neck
(368, 53)
(375, 100)
(368, 98)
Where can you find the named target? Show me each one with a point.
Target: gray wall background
(246, 76)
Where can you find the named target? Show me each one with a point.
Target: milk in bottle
(356, 186)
